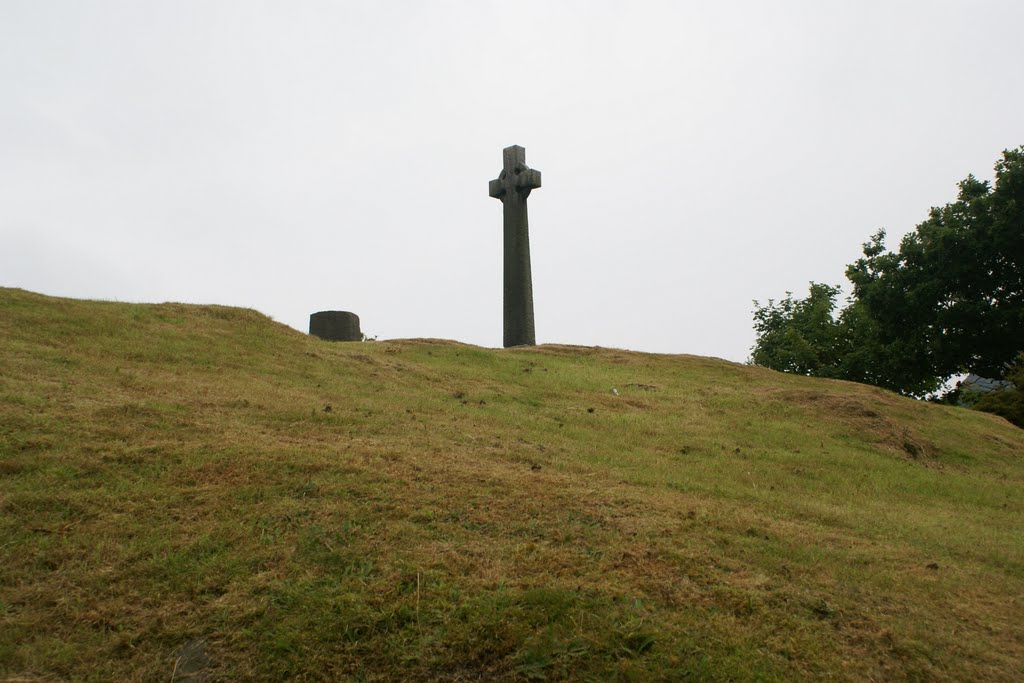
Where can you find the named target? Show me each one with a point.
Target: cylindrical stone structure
(335, 326)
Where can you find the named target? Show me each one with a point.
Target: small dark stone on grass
(823, 609)
(590, 410)
(191, 662)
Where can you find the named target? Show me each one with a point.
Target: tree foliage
(799, 335)
(950, 300)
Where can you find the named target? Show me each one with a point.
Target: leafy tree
(954, 293)
(951, 300)
(799, 335)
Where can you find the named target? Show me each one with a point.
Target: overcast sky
(296, 156)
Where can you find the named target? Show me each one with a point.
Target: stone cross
(512, 187)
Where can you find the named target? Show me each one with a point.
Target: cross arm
(527, 179)
(523, 179)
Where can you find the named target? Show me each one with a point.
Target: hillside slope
(193, 492)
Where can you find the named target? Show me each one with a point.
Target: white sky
(298, 156)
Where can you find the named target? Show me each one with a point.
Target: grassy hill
(197, 492)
